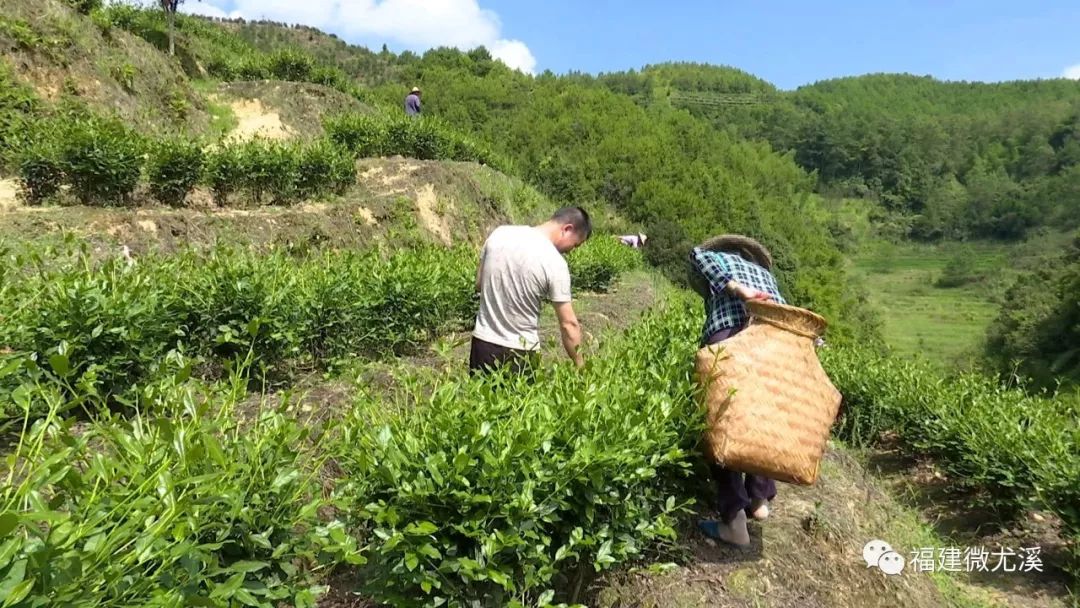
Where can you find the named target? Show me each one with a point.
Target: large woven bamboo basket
(770, 403)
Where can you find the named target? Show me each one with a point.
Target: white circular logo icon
(891, 563)
(873, 551)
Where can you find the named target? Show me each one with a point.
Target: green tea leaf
(248, 566)
(8, 521)
(229, 588)
(59, 364)
(17, 593)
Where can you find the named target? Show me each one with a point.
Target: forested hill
(945, 159)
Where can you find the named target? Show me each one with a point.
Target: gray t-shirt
(520, 268)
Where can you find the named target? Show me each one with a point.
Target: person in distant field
(634, 240)
(412, 102)
(737, 271)
(520, 266)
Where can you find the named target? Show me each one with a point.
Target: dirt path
(807, 554)
(955, 517)
(9, 191)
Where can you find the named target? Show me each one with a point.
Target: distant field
(945, 325)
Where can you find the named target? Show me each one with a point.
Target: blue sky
(786, 42)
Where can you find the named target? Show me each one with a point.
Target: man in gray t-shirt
(520, 267)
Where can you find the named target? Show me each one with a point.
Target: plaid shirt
(723, 310)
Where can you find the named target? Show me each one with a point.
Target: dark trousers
(486, 357)
(735, 490)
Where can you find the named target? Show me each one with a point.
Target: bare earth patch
(427, 203)
(9, 194)
(255, 120)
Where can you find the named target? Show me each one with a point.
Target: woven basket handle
(783, 326)
(803, 331)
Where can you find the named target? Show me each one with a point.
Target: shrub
(596, 264)
(18, 109)
(361, 134)
(40, 171)
(102, 160)
(252, 68)
(173, 169)
(1001, 442)
(189, 505)
(426, 139)
(291, 65)
(324, 167)
(224, 172)
(488, 494)
(114, 323)
(959, 271)
(270, 168)
(85, 6)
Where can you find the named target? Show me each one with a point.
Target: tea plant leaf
(12, 581)
(59, 364)
(8, 521)
(248, 566)
(17, 593)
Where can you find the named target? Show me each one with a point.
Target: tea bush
(224, 172)
(599, 262)
(109, 325)
(102, 159)
(362, 134)
(40, 171)
(1017, 449)
(185, 504)
(173, 169)
(491, 493)
(112, 323)
(269, 168)
(18, 109)
(276, 172)
(290, 65)
(422, 138)
(324, 168)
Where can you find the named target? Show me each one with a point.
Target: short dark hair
(576, 216)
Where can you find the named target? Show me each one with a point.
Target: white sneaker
(759, 509)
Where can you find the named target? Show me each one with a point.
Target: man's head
(568, 228)
(415, 91)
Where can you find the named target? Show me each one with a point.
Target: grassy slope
(945, 325)
(67, 54)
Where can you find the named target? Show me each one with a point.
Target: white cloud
(203, 8)
(1072, 72)
(415, 24)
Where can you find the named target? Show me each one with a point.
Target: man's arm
(480, 266)
(570, 330)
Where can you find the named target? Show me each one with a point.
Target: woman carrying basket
(728, 271)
